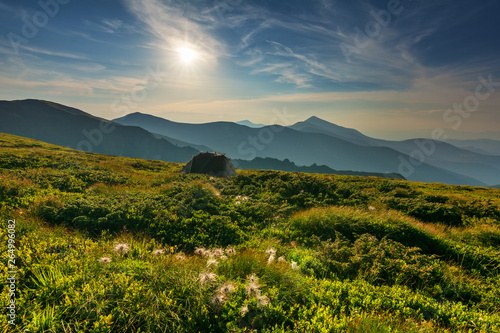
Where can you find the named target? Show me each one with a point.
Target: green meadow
(113, 244)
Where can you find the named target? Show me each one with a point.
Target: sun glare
(187, 55)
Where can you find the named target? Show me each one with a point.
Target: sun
(187, 55)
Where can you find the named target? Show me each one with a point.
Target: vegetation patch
(112, 244)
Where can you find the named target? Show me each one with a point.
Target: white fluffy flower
(262, 300)
(227, 288)
(252, 289)
(244, 310)
(271, 259)
(121, 248)
(212, 262)
(105, 260)
(252, 278)
(158, 252)
(271, 251)
(219, 299)
(206, 277)
(230, 251)
(200, 251)
(217, 252)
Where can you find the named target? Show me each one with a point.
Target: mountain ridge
(151, 137)
(280, 142)
(441, 154)
(57, 124)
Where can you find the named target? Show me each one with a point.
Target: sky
(390, 69)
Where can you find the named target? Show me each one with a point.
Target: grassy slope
(352, 254)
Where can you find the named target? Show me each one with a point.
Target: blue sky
(391, 69)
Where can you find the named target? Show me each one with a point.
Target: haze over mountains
(471, 162)
(70, 127)
(318, 141)
(313, 141)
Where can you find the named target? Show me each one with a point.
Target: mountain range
(324, 146)
(70, 127)
(318, 141)
(61, 125)
(471, 162)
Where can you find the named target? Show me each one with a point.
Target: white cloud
(175, 29)
(49, 82)
(52, 53)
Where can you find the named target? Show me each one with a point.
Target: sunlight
(187, 55)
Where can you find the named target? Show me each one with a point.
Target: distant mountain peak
(313, 118)
(248, 123)
(135, 115)
(138, 114)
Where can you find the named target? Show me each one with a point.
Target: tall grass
(110, 244)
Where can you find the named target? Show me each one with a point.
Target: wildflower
(121, 248)
(253, 278)
(294, 265)
(217, 252)
(212, 262)
(252, 289)
(271, 259)
(238, 197)
(271, 251)
(262, 300)
(200, 251)
(180, 256)
(223, 257)
(281, 259)
(158, 252)
(244, 198)
(227, 288)
(244, 310)
(219, 299)
(237, 203)
(105, 260)
(230, 251)
(371, 208)
(206, 277)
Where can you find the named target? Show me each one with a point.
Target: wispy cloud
(110, 26)
(177, 28)
(63, 85)
(99, 27)
(53, 53)
(17, 11)
(286, 73)
(89, 67)
(25, 75)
